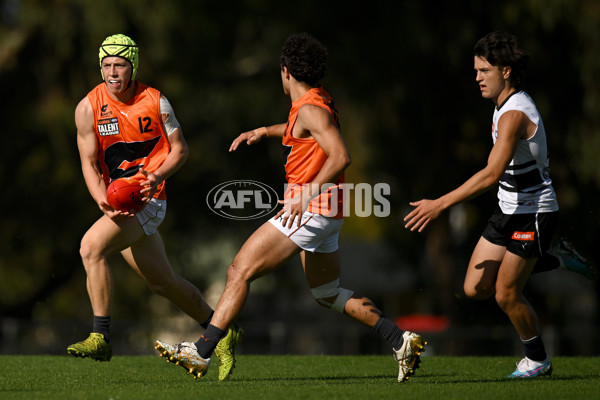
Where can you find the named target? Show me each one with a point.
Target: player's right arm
(256, 135)
(88, 146)
(512, 126)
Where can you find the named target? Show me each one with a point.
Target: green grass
(292, 377)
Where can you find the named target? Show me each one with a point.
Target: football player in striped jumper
(517, 238)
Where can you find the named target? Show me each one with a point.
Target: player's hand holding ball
(123, 194)
(149, 182)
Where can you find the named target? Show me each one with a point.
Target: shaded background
(402, 76)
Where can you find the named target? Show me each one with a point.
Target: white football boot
(409, 355)
(186, 355)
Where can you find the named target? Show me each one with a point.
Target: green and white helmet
(120, 45)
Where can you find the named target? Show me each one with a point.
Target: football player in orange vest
(128, 129)
(310, 221)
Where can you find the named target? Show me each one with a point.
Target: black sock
(205, 323)
(534, 348)
(209, 340)
(102, 325)
(389, 331)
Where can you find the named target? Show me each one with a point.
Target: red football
(124, 194)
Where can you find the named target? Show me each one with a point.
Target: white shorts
(152, 215)
(315, 234)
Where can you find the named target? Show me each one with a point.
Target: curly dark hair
(305, 58)
(501, 49)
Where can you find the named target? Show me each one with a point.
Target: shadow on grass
(445, 379)
(340, 379)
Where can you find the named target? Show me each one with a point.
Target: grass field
(292, 377)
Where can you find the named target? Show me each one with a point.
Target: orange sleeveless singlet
(130, 135)
(304, 158)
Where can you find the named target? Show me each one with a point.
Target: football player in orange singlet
(128, 129)
(310, 221)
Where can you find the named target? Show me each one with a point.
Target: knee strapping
(332, 289)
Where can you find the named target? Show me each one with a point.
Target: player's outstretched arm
(513, 126)
(256, 135)
(251, 137)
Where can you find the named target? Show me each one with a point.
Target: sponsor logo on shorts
(528, 236)
(108, 127)
(242, 199)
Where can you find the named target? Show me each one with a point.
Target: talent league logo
(108, 127)
(242, 199)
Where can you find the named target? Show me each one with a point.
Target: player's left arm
(177, 155)
(317, 122)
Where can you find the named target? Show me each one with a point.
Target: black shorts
(526, 235)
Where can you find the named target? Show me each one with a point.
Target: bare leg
(493, 270)
(102, 239)
(512, 276)
(266, 250)
(148, 257)
(322, 268)
(482, 272)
